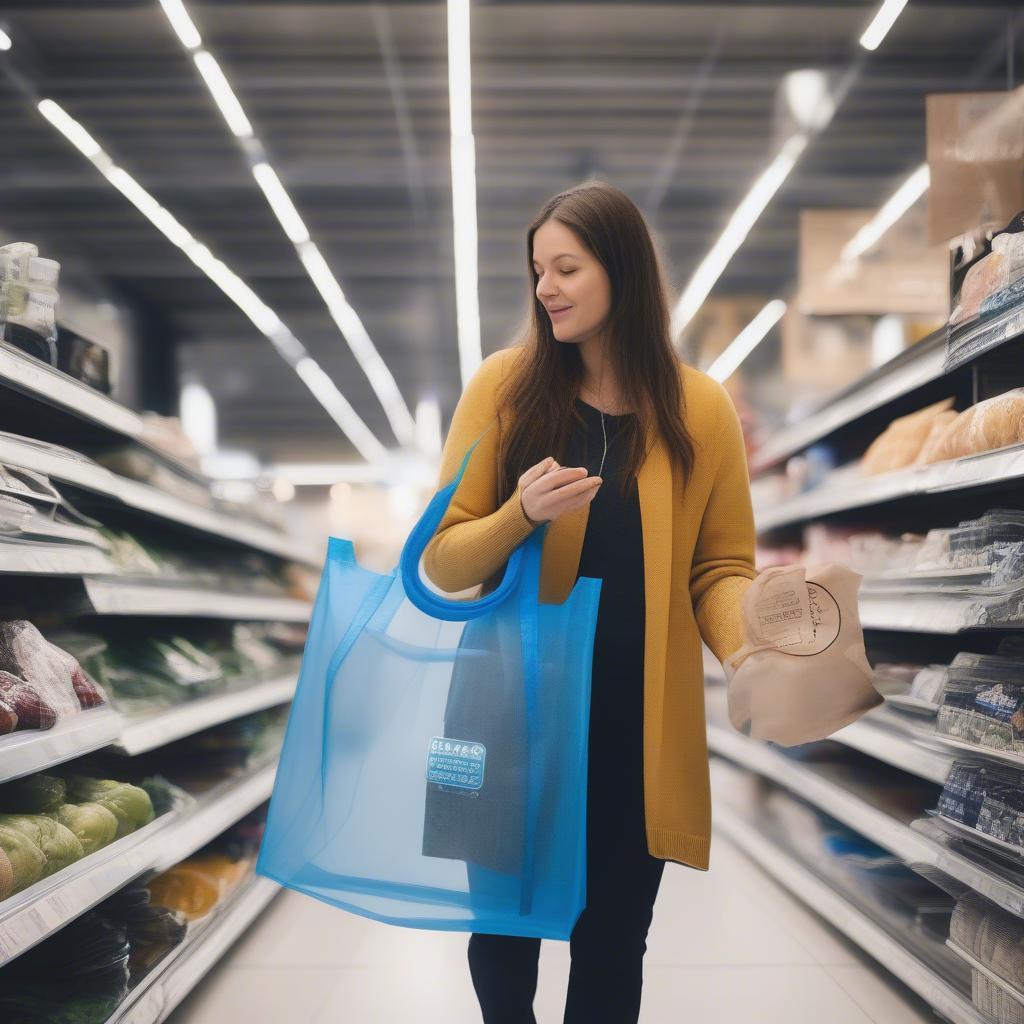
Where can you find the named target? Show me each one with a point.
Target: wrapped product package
(802, 672)
(993, 423)
(898, 445)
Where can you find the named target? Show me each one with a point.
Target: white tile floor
(729, 946)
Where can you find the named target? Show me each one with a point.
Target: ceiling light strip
(881, 23)
(897, 205)
(345, 317)
(742, 220)
(747, 340)
(265, 319)
(463, 159)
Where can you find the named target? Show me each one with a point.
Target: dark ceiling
(672, 102)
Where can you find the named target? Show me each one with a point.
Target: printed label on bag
(797, 617)
(783, 613)
(458, 763)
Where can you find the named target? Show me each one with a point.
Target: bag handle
(527, 556)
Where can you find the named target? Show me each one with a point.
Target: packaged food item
(802, 672)
(994, 423)
(898, 445)
(8, 718)
(51, 672)
(33, 712)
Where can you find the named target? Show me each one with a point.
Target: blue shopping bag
(434, 768)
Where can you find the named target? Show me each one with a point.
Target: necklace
(603, 432)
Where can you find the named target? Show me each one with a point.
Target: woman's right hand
(548, 490)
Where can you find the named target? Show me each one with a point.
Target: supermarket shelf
(146, 498)
(32, 750)
(847, 807)
(986, 469)
(176, 976)
(924, 613)
(881, 734)
(146, 732)
(216, 810)
(907, 843)
(39, 558)
(986, 335)
(857, 926)
(911, 369)
(54, 388)
(112, 596)
(30, 916)
(895, 747)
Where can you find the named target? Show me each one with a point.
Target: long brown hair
(536, 402)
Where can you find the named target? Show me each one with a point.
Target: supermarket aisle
(731, 945)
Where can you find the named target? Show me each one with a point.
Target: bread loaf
(993, 423)
(898, 445)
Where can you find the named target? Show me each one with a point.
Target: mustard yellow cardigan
(698, 562)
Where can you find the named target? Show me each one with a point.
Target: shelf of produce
(179, 973)
(32, 750)
(39, 558)
(112, 596)
(986, 469)
(30, 916)
(881, 733)
(140, 733)
(908, 371)
(912, 845)
(87, 475)
(949, 1000)
(215, 811)
(52, 387)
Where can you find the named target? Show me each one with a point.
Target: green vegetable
(59, 845)
(93, 824)
(33, 794)
(26, 858)
(130, 804)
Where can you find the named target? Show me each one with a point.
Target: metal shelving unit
(113, 596)
(182, 969)
(947, 999)
(139, 733)
(33, 750)
(28, 917)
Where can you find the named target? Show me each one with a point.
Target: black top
(613, 552)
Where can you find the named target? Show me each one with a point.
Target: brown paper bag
(802, 673)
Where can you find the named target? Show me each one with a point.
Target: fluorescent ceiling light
(902, 200)
(182, 23)
(5, 40)
(199, 417)
(463, 159)
(736, 231)
(223, 94)
(381, 379)
(808, 98)
(280, 202)
(265, 319)
(747, 340)
(881, 23)
(70, 129)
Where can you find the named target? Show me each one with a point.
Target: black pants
(609, 940)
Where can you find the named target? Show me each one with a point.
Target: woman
(637, 461)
